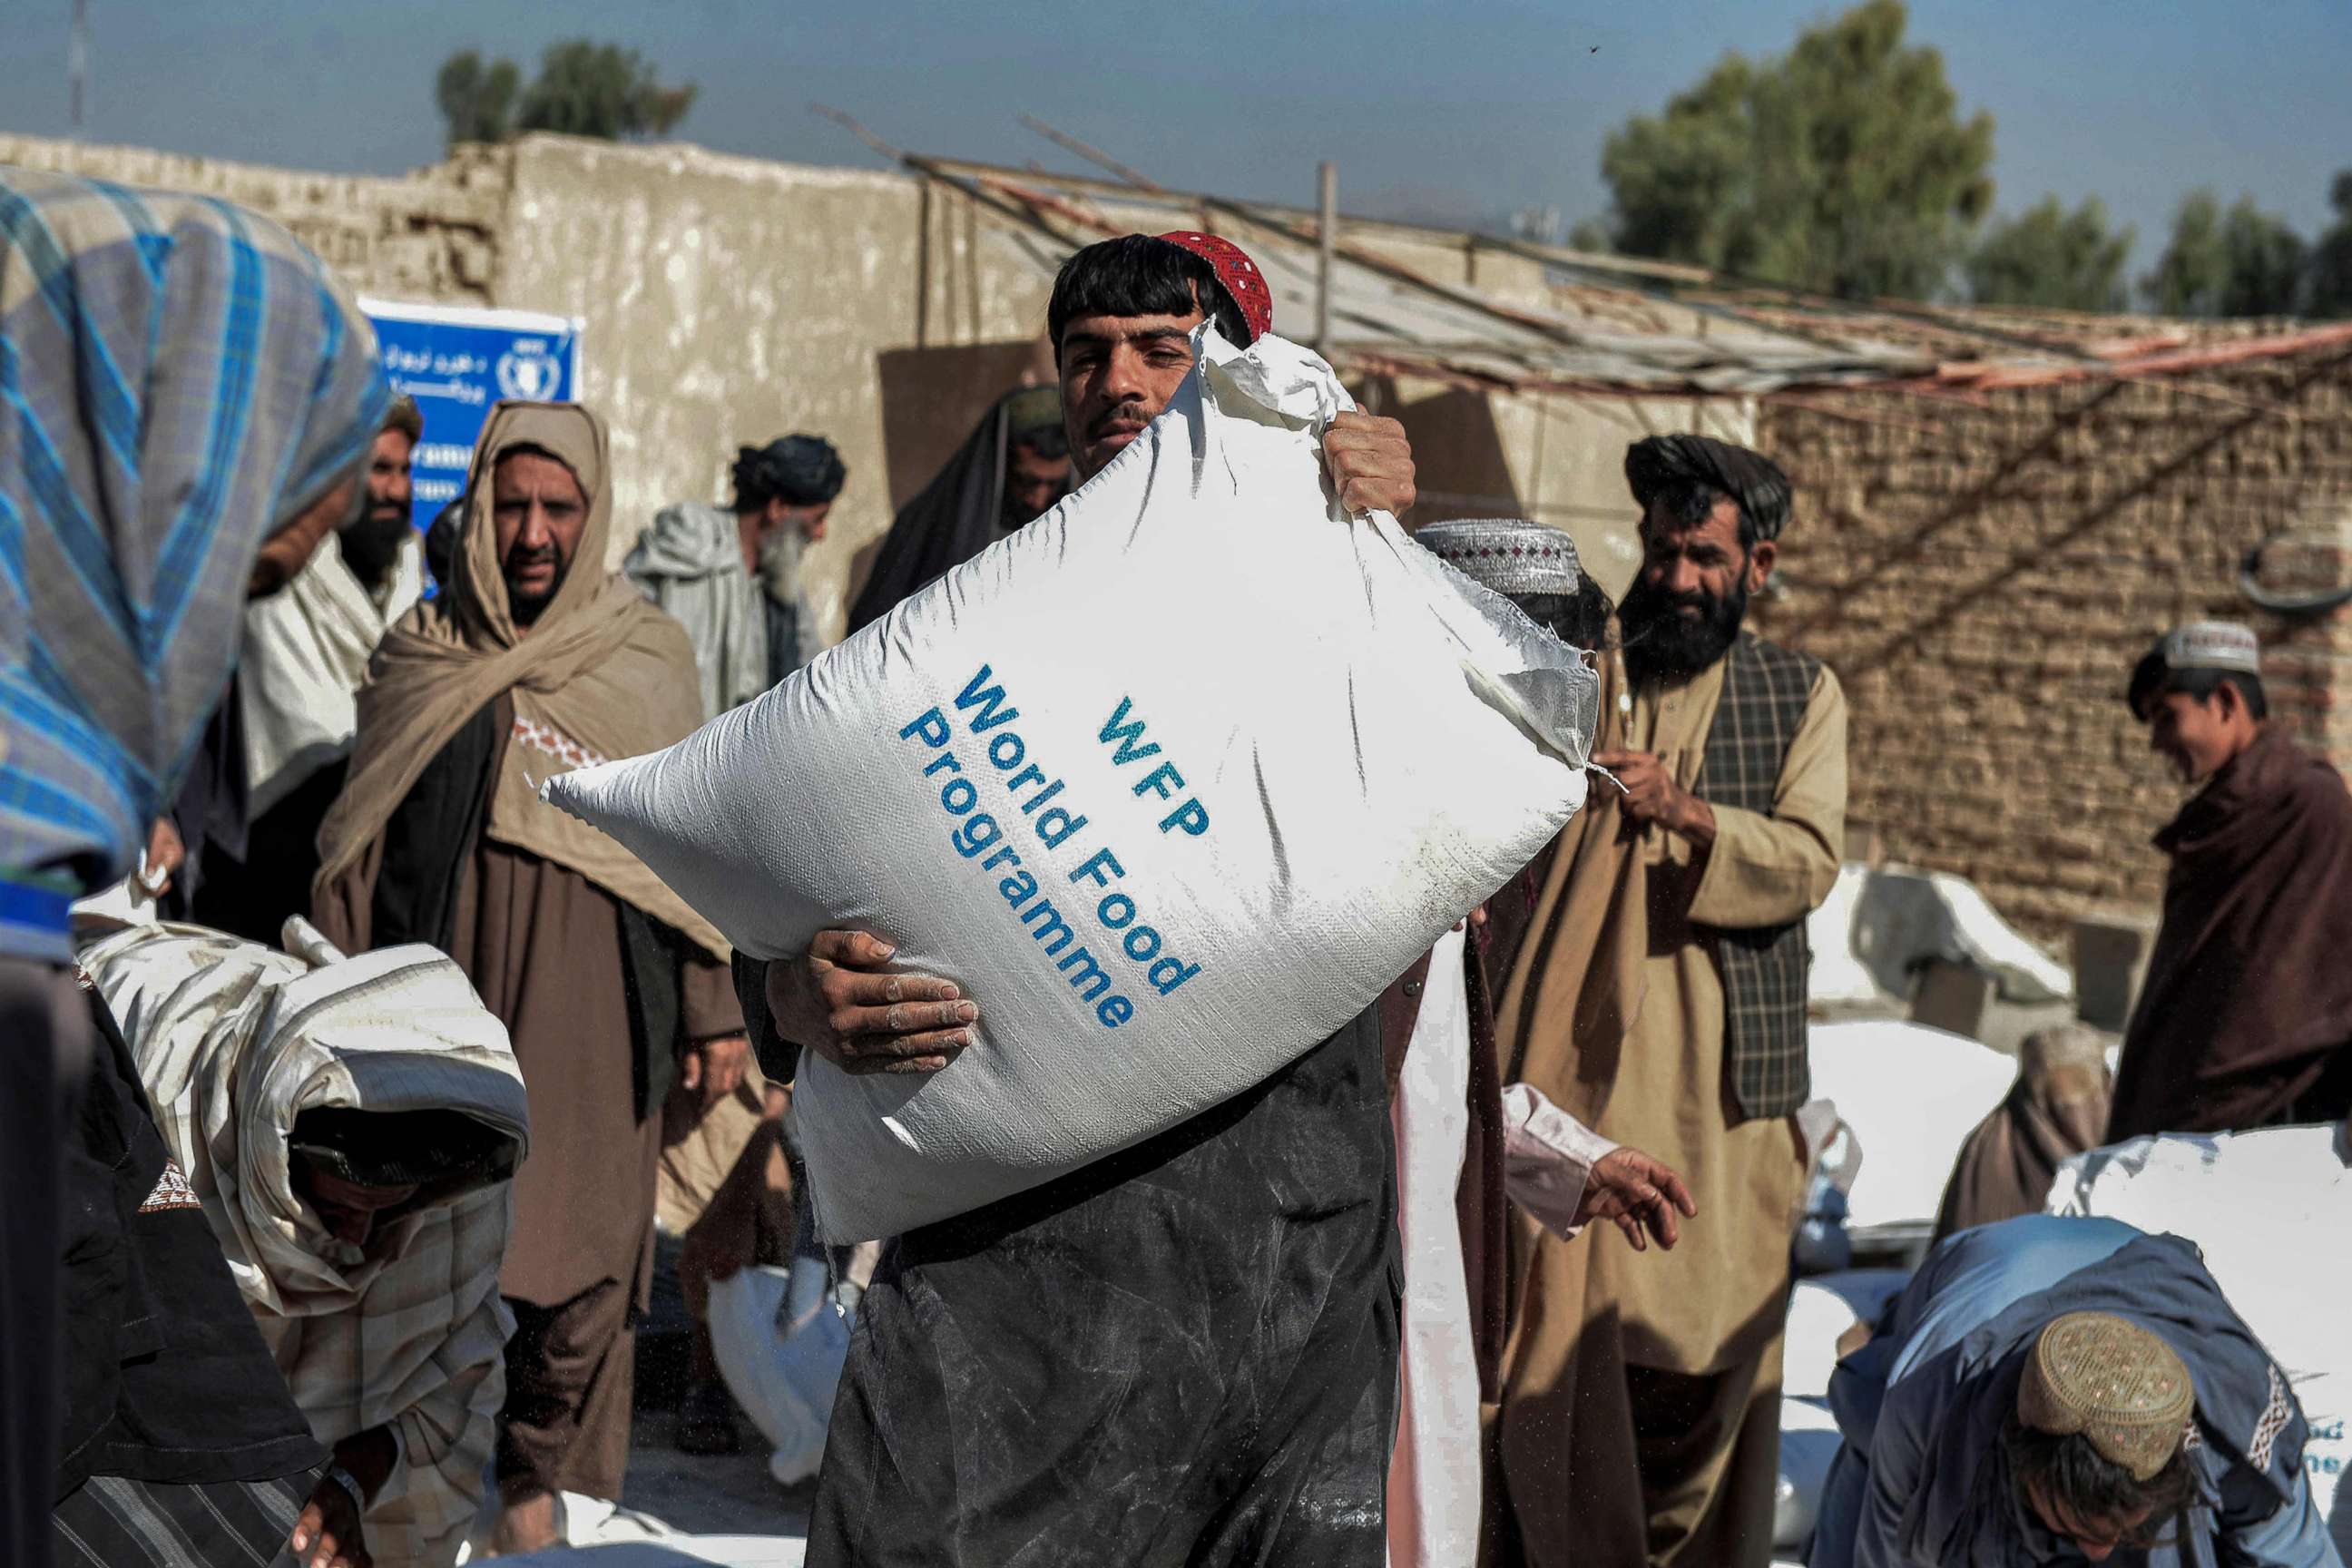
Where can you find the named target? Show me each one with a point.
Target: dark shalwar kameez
(596, 999)
(1184, 1354)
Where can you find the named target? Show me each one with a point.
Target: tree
(583, 89)
(477, 100)
(601, 90)
(2243, 263)
(1842, 166)
(2331, 258)
(2053, 258)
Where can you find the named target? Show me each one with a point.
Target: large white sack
(1912, 1095)
(1255, 756)
(2270, 1211)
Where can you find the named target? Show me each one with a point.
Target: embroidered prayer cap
(2113, 1382)
(1510, 555)
(2211, 645)
(1237, 272)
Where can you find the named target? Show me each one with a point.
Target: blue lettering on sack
(978, 828)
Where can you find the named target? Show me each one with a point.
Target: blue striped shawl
(178, 377)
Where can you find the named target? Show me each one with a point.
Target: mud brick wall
(1983, 575)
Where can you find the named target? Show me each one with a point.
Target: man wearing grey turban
(731, 576)
(1659, 998)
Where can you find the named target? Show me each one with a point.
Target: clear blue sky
(1456, 113)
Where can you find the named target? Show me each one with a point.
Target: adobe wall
(1984, 577)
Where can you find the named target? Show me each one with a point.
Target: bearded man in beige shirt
(1658, 996)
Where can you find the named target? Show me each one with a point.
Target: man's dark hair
(404, 417)
(1580, 619)
(2093, 1488)
(1050, 442)
(2153, 678)
(1136, 275)
(799, 470)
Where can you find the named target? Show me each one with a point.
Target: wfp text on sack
(1057, 831)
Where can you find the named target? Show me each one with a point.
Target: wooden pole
(1327, 241)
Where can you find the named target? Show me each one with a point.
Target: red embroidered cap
(1237, 272)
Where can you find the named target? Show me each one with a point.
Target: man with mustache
(2246, 1012)
(1009, 471)
(1186, 1351)
(1659, 998)
(306, 656)
(533, 659)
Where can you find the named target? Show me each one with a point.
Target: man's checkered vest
(1765, 690)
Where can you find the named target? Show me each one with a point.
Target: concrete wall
(1984, 577)
(731, 299)
(431, 235)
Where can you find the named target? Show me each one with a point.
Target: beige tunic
(1714, 1300)
(1639, 1420)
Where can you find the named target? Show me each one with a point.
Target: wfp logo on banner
(529, 372)
(458, 359)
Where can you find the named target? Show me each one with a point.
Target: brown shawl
(602, 675)
(2248, 1001)
(2057, 1108)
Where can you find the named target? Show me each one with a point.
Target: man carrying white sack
(1468, 1148)
(534, 660)
(1184, 1352)
(350, 1129)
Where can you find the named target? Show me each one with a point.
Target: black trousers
(43, 1042)
(1185, 1354)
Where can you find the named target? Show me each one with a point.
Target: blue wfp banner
(456, 361)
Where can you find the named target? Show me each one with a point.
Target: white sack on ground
(1912, 1095)
(1173, 781)
(1881, 924)
(2270, 1211)
(1840, 982)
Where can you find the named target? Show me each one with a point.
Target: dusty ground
(728, 1494)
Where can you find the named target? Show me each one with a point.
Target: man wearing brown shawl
(1658, 996)
(536, 659)
(2057, 1108)
(2246, 1012)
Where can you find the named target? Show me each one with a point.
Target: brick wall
(1983, 575)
